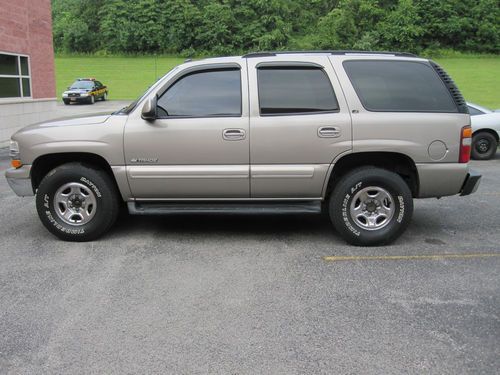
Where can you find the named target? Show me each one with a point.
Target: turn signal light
(16, 163)
(465, 144)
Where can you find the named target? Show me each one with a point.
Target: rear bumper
(445, 179)
(471, 183)
(441, 179)
(19, 180)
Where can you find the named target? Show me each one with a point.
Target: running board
(167, 208)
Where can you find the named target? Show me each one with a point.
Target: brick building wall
(26, 28)
(25, 35)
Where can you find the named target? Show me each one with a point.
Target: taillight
(465, 144)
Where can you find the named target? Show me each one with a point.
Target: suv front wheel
(371, 206)
(77, 202)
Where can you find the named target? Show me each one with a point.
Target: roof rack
(330, 52)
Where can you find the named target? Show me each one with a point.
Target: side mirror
(149, 110)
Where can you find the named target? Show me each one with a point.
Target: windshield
(82, 85)
(477, 109)
(126, 110)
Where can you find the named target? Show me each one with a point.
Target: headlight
(84, 94)
(14, 150)
(65, 94)
(14, 155)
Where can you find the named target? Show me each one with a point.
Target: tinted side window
(474, 112)
(201, 94)
(399, 86)
(289, 90)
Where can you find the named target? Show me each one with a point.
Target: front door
(198, 147)
(299, 122)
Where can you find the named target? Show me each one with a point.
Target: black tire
(357, 181)
(104, 96)
(66, 101)
(484, 146)
(98, 182)
(91, 99)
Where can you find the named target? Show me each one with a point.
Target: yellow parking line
(409, 257)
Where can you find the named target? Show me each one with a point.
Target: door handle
(233, 134)
(329, 132)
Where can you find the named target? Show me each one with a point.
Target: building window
(15, 80)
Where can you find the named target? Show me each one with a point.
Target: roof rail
(259, 54)
(330, 52)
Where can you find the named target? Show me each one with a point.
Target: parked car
(486, 131)
(359, 135)
(86, 90)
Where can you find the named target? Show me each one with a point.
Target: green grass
(126, 77)
(478, 77)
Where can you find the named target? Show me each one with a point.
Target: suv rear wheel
(77, 202)
(484, 146)
(371, 206)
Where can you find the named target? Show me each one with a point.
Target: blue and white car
(486, 131)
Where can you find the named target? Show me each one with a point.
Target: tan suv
(359, 134)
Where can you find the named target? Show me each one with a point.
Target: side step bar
(167, 208)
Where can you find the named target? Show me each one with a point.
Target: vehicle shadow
(232, 224)
(200, 227)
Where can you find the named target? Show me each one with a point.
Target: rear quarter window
(399, 86)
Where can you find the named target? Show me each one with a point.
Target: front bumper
(77, 98)
(19, 180)
(471, 183)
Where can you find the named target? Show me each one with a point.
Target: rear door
(299, 123)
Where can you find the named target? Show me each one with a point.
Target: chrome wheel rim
(75, 204)
(372, 208)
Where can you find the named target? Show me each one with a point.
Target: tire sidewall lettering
(345, 210)
(91, 185)
(401, 213)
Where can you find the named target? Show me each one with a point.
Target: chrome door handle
(329, 132)
(233, 134)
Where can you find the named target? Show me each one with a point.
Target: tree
(400, 29)
(236, 26)
(353, 22)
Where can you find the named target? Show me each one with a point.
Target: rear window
(295, 90)
(399, 86)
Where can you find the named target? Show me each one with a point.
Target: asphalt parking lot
(253, 294)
